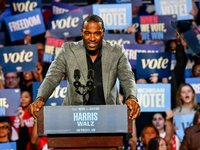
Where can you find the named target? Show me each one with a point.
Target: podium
(94, 127)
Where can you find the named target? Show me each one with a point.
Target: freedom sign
(61, 8)
(57, 97)
(183, 122)
(181, 8)
(154, 97)
(153, 63)
(195, 83)
(51, 48)
(133, 49)
(8, 146)
(115, 16)
(20, 6)
(19, 58)
(25, 23)
(133, 2)
(66, 25)
(155, 27)
(9, 102)
(120, 39)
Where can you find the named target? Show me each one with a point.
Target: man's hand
(134, 108)
(35, 107)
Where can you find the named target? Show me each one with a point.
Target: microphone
(77, 76)
(90, 79)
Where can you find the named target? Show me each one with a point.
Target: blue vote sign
(153, 63)
(2, 38)
(181, 8)
(25, 23)
(66, 25)
(19, 58)
(20, 6)
(57, 97)
(133, 2)
(8, 146)
(61, 8)
(182, 122)
(115, 16)
(195, 83)
(156, 27)
(154, 97)
(9, 102)
(120, 39)
(133, 49)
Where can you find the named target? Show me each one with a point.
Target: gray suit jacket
(72, 55)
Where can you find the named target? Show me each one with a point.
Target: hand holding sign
(35, 107)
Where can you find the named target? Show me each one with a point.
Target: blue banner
(133, 49)
(133, 2)
(9, 102)
(195, 83)
(120, 39)
(2, 38)
(153, 63)
(115, 16)
(51, 48)
(25, 23)
(19, 58)
(154, 97)
(155, 27)
(192, 38)
(178, 7)
(66, 25)
(182, 122)
(61, 8)
(20, 6)
(8, 146)
(57, 97)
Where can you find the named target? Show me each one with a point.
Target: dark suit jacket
(72, 55)
(191, 140)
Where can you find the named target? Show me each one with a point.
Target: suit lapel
(106, 61)
(81, 59)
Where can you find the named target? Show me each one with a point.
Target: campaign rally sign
(9, 102)
(25, 23)
(66, 25)
(133, 2)
(195, 83)
(86, 10)
(192, 38)
(183, 122)
(156, 27)
(19, 58)
(20, 6)
(8, 146)
(153, 63)
(57, 97)
(120, 39)
(133, 49)
(115, 16)
(181, 8)
(2, 38)
(154, 97)
(61, 8)
(51, 48)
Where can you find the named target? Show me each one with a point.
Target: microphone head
(77, 73)
(91, 74)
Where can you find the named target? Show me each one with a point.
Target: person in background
(12, 80)
(196, 70)
(158, 143)
(6, 132)
(1, 82)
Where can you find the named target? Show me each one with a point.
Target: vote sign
(115, 16)
(9, 102)
(20, 6)
(133, 2)
(8, 146)
(18, 58)
(120, 39)
(57, 97)
(153, 63)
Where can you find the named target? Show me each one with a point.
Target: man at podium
(106, 62)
